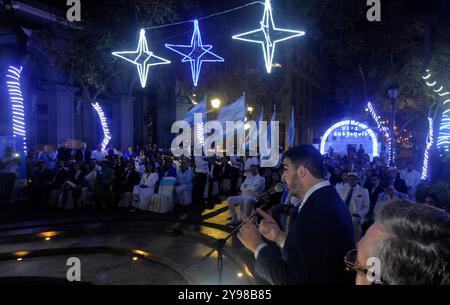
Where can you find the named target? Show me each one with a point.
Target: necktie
(349, 197)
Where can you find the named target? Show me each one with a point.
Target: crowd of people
(113, 179)
(110, 178)
(130, 180)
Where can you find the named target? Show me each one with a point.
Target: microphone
(278, 188)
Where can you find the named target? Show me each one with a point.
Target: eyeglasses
(352, 265)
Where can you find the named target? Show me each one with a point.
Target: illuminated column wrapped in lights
(443, 139)
(106, 133)
(13, 84)
(382, 129)
(430, 143)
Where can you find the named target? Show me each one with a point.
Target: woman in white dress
(142, 193)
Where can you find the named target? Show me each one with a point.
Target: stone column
(65, 112)
(126, 121)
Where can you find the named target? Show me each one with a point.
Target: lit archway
(349, 129)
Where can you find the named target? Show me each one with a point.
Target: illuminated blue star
(196, 53)
(268, 35)
(142, 58)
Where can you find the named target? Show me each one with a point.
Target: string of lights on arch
(267, 35)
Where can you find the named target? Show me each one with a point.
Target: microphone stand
(220, 244)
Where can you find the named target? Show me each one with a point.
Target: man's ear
(301, 171)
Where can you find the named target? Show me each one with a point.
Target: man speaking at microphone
(320, 234)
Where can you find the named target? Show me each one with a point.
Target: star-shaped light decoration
(196, 53)
(268, 35)
(142, 58)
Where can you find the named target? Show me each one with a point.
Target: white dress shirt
(201, 165)
(253, 186)
(98, 155)
(412, 178)
(185, 178)
(360, 201)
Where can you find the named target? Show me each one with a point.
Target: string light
(443, 140)
(383, 129)
(430, 143)
(196, 53)
(142, 58)
(265, 35)
(106, 133)
(13, 84)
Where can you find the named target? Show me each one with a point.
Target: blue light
(196, 53)
(383, 129)
(443, 140)
(142, 58)
(106, 133)
(17, 106)
(430, 143)
(265, 36)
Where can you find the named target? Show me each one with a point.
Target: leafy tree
(366, 58)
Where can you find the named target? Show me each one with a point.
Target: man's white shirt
(360, 201)
(253, 186)
(98, 155)
(201, 165)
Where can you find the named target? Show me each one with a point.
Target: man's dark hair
(309, 157)
(417, 248)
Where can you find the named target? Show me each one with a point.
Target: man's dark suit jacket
(79, 155)
(315, 247)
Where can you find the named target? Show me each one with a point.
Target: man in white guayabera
(252, 187)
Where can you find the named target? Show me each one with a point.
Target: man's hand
(269, 229)
(250, 237)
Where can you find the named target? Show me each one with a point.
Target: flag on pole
(251, 141)
(291, 133)
(269, 128)
(233, 112)
(199, 130)
(199, 108)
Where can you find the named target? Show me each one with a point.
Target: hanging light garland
(196, 53)
(268, 36)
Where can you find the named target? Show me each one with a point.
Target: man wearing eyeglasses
(409, 244)
(319, 236)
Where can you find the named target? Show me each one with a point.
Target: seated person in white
(184, 182)
(98, 155)
(142, 193)
(249, 162)
(252, 187)
(389, 194)
(358, 201)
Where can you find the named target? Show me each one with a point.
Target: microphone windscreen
(279, 188)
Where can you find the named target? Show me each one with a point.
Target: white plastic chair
(163, 202)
